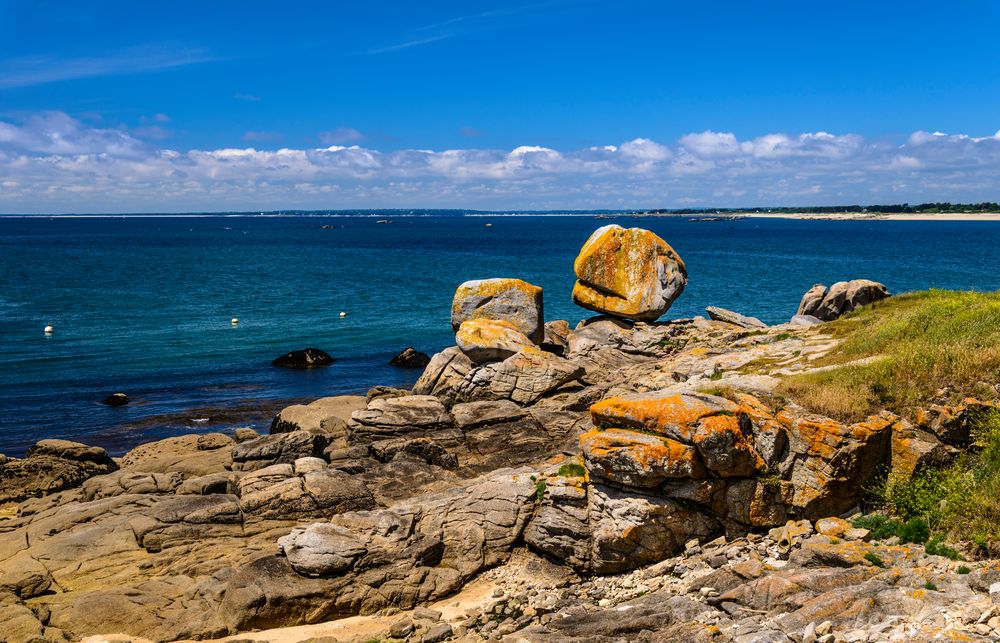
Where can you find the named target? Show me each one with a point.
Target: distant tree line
(898, 208)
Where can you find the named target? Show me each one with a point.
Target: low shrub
(572, 470)
(874, 559)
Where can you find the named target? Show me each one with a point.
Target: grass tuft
(572, 470)
(874, 559)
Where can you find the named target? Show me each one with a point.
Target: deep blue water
(143, 305)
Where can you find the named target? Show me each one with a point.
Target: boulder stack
(842, 297)
(508, 300)
(629, 273)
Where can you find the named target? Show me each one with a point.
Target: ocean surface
(143, 305)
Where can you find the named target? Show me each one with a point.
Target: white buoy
(235, 321)
(48, 330)
(343, 314)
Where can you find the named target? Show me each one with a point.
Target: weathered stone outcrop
(327, 415)
(954, 424)
(413, 416)
(509, 300)
(366, 561)
(189, 455)
(487, 340)
(51, 466)
(524, 377)
(630, 273)
(842, 297)
(281, 448)
(734, 318)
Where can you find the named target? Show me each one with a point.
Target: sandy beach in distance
(872, 216)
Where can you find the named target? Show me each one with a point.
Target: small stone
(437, 633)
(809, 634)
(426, 614)
(827, 638)
(823, 629)
(245, 433)
(400, 629)
(857, 533)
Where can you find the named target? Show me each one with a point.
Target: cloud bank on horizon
(51, 162)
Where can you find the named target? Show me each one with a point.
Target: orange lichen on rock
(504, 299)
(638, 459)
(726, 446)
(629, 273)
(673, 415)
(489, 339)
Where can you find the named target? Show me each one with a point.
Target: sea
(143, 304)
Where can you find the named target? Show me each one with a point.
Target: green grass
(962, 569)
(935, 547)
(874, 559)
(930, 586)
(923, 342)
(913, 530)
(572, 470)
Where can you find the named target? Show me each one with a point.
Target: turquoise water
(143, 305)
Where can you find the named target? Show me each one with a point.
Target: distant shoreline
(729, 215)
(874, 216)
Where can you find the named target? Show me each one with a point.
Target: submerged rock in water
(305, 358)
(842, 297)
(629, 273)
(411, 358)
(509, 300)
(116, 399)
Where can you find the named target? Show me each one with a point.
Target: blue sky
(140, 105)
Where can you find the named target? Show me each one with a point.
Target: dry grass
(935, 345)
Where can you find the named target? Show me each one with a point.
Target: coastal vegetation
(905, 352)
(900, 355)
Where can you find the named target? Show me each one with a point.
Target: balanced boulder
(488, 340)
(842, 297)
(510, 300)
(629, 273)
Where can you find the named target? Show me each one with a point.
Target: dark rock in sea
(411, 358)
(116, 399)
(305, 358)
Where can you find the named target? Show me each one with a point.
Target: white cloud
(51, 162)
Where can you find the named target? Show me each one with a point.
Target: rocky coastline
(622, 479)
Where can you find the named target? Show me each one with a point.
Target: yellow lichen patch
(628, 272)
(490, 339)
(504, 299)
(638, 459)
(725, 447)
(672, 415)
